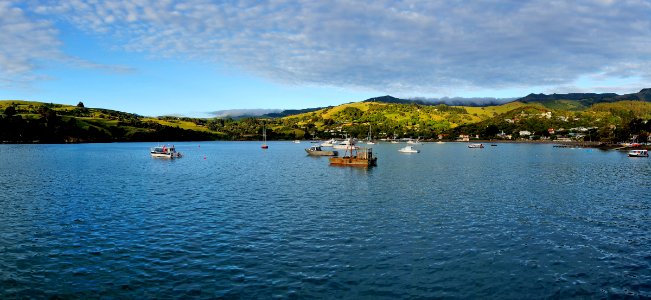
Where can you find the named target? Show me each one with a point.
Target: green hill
(607, 117)
(29, 121)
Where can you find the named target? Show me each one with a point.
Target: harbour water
(516, 221)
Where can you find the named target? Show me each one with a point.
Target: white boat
(297, 141)
(414, 142)
(347, 144)
(264, 138)
(638, 153)
(408, 149)
(476, 146)
(369, 139)
(329, 143)
(164, 152)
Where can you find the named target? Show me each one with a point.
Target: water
(232, 220)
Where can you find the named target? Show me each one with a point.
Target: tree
(10, 111)
(492, 130)
(80, 104)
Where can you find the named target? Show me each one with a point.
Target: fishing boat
(638, 153)
(476, 146)
(355, 157)
(408, 149)
(264, 138)
(164, 152)
(318, 151)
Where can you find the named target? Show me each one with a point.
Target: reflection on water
(232, 220)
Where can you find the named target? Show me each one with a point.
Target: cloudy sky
(156, 57)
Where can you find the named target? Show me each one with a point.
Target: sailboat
(264, 138)
(369, 140)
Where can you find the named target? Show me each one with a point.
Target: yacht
(329, 143)
(347, 144)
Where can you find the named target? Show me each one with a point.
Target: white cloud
(30, 44)
(393, 46)
(234, 113)
(24, 44)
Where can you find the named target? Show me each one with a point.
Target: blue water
(231, 220)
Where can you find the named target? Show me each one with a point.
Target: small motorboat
(408, 149)
(317, 151)
(164, 152)
(638, 153)
(476, 146)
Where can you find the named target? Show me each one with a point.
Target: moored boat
(318, 151)
(164, 152)
(355, 157)
(476, 146)
(369, 139)
(350, 143)
(414, 142)
(329, 143)
(408, 149)
(638, 153)
(264, 138)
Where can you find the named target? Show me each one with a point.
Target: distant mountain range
(590, 98)
(455, 101)
(570, 101)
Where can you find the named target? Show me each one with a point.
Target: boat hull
(165, 155)
(638, 153)
(353, 161)
(321, 153)
(345, 147)
(164, 152)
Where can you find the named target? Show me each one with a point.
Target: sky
(201, 57)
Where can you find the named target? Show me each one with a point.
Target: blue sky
(198, 57)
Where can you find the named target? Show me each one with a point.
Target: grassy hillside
(30, 121)
(26, 121)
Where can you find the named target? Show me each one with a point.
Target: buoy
(204, 157)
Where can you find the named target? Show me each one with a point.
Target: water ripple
(231, 221)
